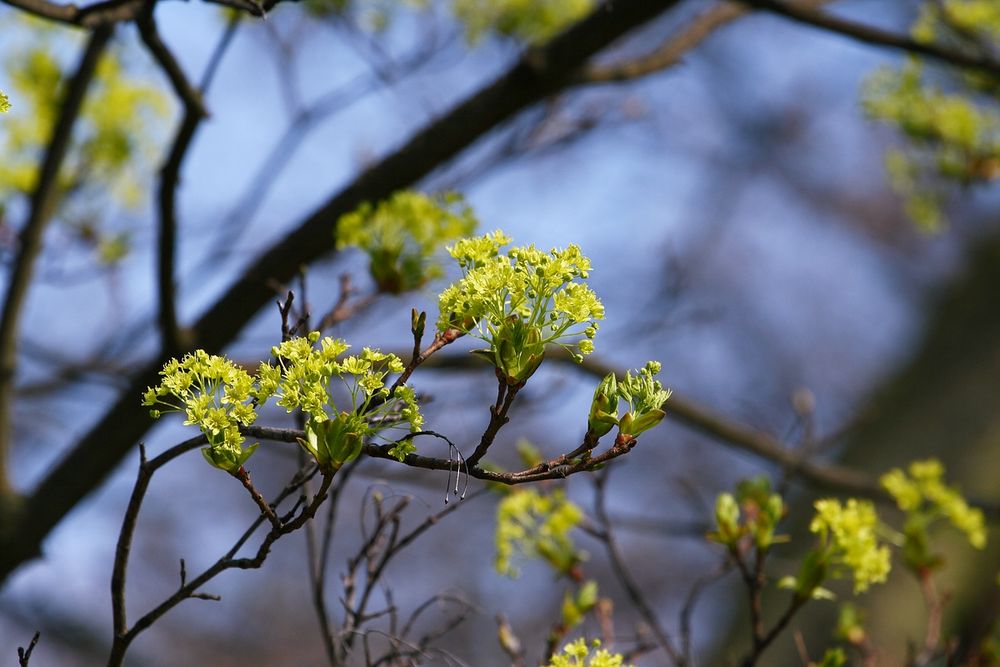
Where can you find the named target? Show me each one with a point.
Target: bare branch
(190, 96)
(498, 417)
(107, 13)
(24, 654)
(44, 200)
(624, 575)
(871, 35)
(97, 15)
(125, 635)
(822, 475)
(670, 52)
(194, 113)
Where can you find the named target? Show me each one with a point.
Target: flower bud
(604, 408)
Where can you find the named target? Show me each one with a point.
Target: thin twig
(877, 36)
(498, 417)
(123, 634)
(319, 560)
(227, 562)
(687, 611)
(760, 644)
(24, 654)
(733, 434)
(441, 339)
(624, 574)
(382, 545)
(243, 475)
(621, 447)
(935, 613)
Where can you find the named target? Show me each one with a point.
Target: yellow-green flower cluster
(113, 145)
(645, 398)
(530, 20)
(754, 512)
(302, 381)
(4, 103)
(402, 234)
(536, 525)
(578, 654)
(521, 301)
(576, 605)
(848, 536)
(962, 129)
(924, 492)
(950, 19)
(217, 396)
(952, 121)
(833, 657)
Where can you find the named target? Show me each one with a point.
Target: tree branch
(623, 574)
(109, 12)
(97, 15)
(125, 635)
(194, 113)
(539, 73)
(43, 203)
(822, 475)
(24, 654)
(870, 35)
(670, 52)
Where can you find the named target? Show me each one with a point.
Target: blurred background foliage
(802, 227)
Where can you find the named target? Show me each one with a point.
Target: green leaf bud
(727, 520)
(604, 407)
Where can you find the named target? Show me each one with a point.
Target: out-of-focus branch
(670, 52)
(194, 113)
(299, 128)
(870, 35)
(185, 90)
(98, 14)
(43, 203)
(109, 12)
(828, 476)
(24, 654)
(623, 573)
(369, 562)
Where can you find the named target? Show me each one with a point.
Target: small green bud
(417, 322)
(811, 575)
(647, 421)
(225, 458)
(604, 408)
(625, 424)
(727, 520)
